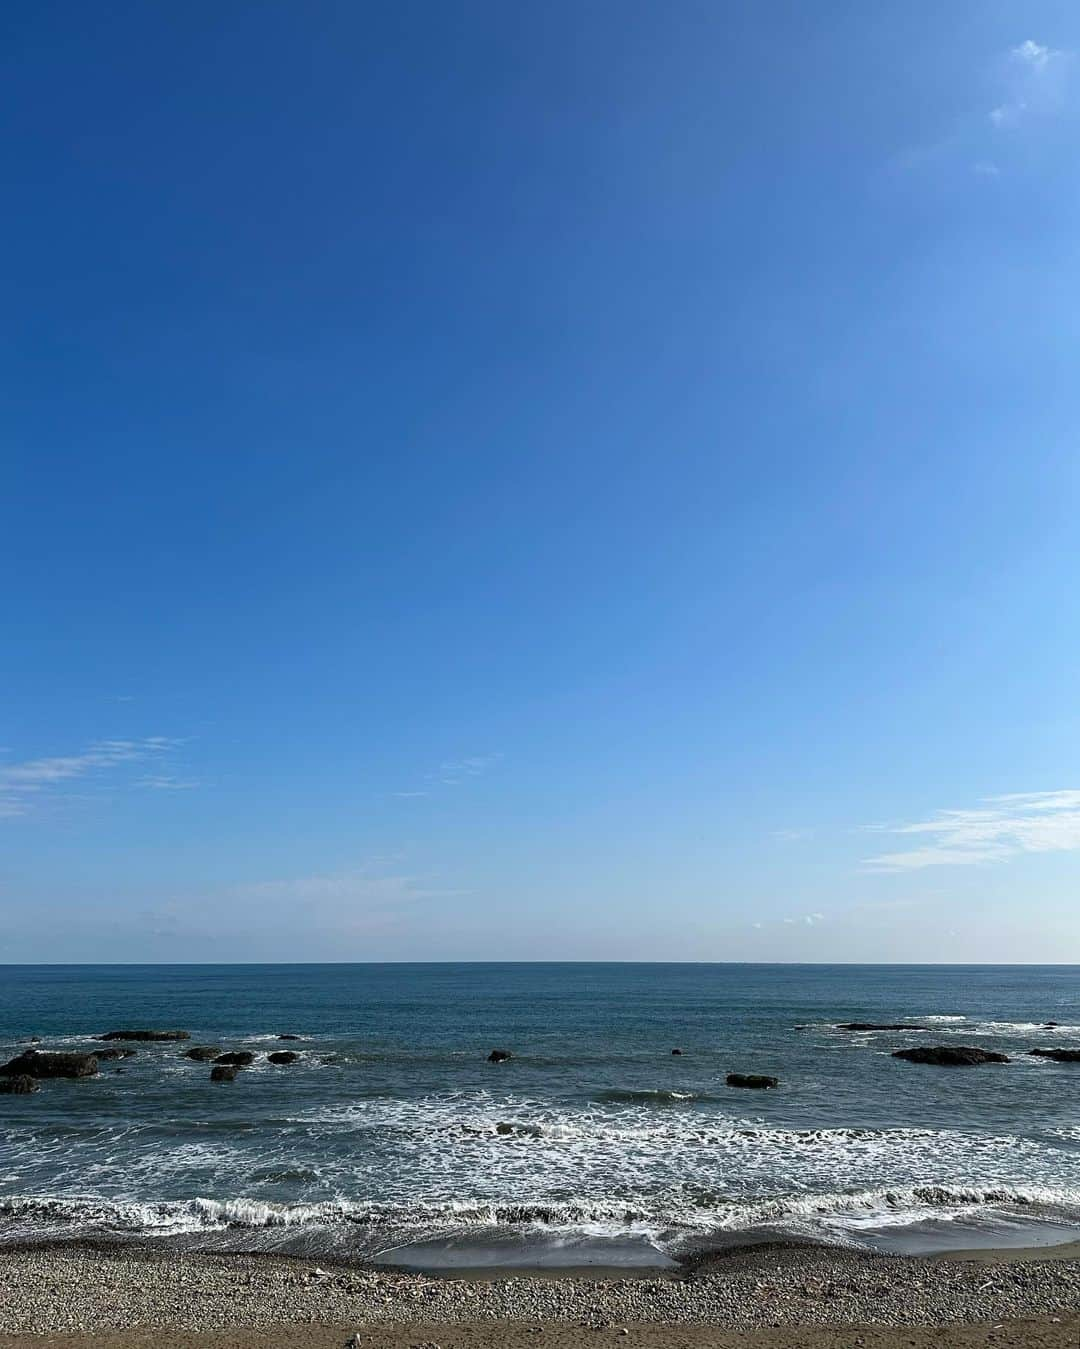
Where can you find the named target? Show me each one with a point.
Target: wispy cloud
(366, 899)
(798, 920)
(1034, 56)
(997, 829)
(1030, 81)
(362, 884)
(792, 835)
(165, 782)
(21, 784)
(1034, 78)
(454, 771)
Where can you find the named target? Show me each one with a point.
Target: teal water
(394, 1139)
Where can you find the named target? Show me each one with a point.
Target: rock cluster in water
(20, 1084)
(1058, 1055)
(877, 1025)
(145, 1035)
(756, 1081)
(950, 1056)
(37, 1063)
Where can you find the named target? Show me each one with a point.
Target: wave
(700, 1214)
(650, 1096)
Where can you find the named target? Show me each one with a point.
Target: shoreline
(104, 1292)
(706, 1259)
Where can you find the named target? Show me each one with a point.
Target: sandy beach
(776, 1298)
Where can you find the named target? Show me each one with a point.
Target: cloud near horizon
(997, 830)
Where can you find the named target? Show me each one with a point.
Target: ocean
(394, 1140)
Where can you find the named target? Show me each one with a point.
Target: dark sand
(1034, 1334)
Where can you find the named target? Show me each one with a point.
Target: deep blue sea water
(394, 1139)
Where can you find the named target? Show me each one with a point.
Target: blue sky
(568, 481)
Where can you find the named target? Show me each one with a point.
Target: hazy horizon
(571, 483)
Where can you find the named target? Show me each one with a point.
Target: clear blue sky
(533, 481)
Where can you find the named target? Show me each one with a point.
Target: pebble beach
(771, 1293)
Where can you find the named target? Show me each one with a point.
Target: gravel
(86, 1289)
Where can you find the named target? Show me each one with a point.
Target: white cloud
(998, 829)
(792, 835)
(1032, 54)
(22, 783)
(455, 771)
(1008, 114)
(1034, 78)
(165, 782)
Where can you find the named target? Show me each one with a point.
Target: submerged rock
(283, 1056)
(499, 1056)
(146, 1035)
(877, 1025)
(20, 1084)
(290, 1037)
(202, 1053)
(757, 1081)
(36, 1063)
(676, 1051)
(950, 1056)
(240, 1059)
(1058, 1055)
(223, 1072)
(103, 1054)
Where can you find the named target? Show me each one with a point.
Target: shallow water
(393, 1137)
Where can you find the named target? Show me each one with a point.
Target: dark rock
(1050, 1025)
(102, 1054)
(283, 1056)
(20, 1084)
(877, 1025)
(949, 1056)
(499, 1056)
(504, 1128)
(34, 1040)
(223, 1073)
(676, 1051)
(35, 1063)
(202, 1053)
(755, 1080)
(145, 1035)
(240, 1059)
(290, 1037)
(1058, 1055)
